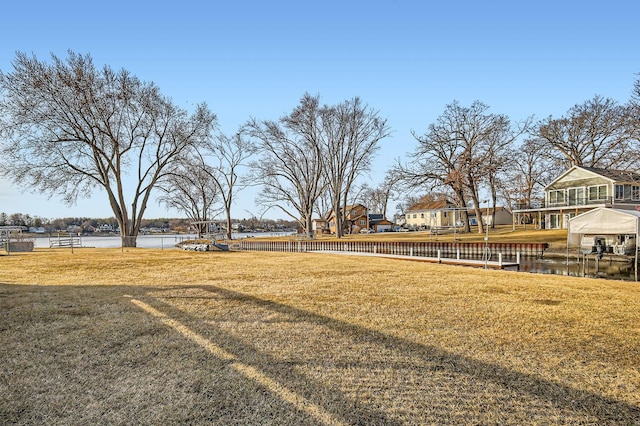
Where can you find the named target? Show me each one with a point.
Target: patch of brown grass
(150, 336)
(557, 238)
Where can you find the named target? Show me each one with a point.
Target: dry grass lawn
(171, 337)
(556, 238)
(504, 233)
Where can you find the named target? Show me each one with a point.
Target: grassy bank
(557, 238)
(150, 336)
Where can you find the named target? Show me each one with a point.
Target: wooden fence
(459, 250)
(64, 241)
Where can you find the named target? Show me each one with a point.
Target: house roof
(380, 222)
(617, 176)
(348, 209)
(431, 205)
(472, 212)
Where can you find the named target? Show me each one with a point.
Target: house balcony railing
(537, 204)
(579, 202)
(607, 201)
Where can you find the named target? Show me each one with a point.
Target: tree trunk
(337, 214)
(309, 225)
(463, 205)
(494, 197)
(228, 224)
(464, 217)
(477, 209)
(128, 233)
(479, 219)
(129, 240)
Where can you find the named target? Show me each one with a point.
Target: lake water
(606, 269)
(162, 241)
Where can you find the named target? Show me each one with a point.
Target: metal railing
(584, 201)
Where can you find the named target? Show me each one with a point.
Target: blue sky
(407, 59)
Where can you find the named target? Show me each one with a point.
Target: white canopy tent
(604, 221)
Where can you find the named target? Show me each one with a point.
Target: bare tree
(323, 205)
(189, 189)
(440, 159)
(290, 164)
(458, 152)
(524, 180)
(635, 94)
(499, 149)
(352, 131)
(372, 197)
(69, 127)
(377, 198)
(435, 166)
(634, 107)
(227, 155)
(597, 133)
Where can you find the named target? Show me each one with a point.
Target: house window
(363, 222)
(444, 214)
(619, 192)
(556, 197)
(597, 192)
(421, 215)
(576, 196)
(415, 215)
(635, 192)
(554, 221)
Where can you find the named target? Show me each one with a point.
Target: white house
(581, 189)
(431, 214)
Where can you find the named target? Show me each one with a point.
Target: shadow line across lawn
(351, 374)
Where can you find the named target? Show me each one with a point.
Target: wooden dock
(477, 263)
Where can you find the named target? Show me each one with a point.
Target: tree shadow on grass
(358, 375)
(88, 355)
(382, 379)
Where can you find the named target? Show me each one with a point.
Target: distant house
(237, 227)
(74, 229)
(105, 227)
(320, 226)
(378, 223)
(502, 216)
(431, 214)
(580, 189)
(356, 219)
(37, 230)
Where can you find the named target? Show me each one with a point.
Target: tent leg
(636, 264)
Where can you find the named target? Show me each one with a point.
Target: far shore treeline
(87, 224)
